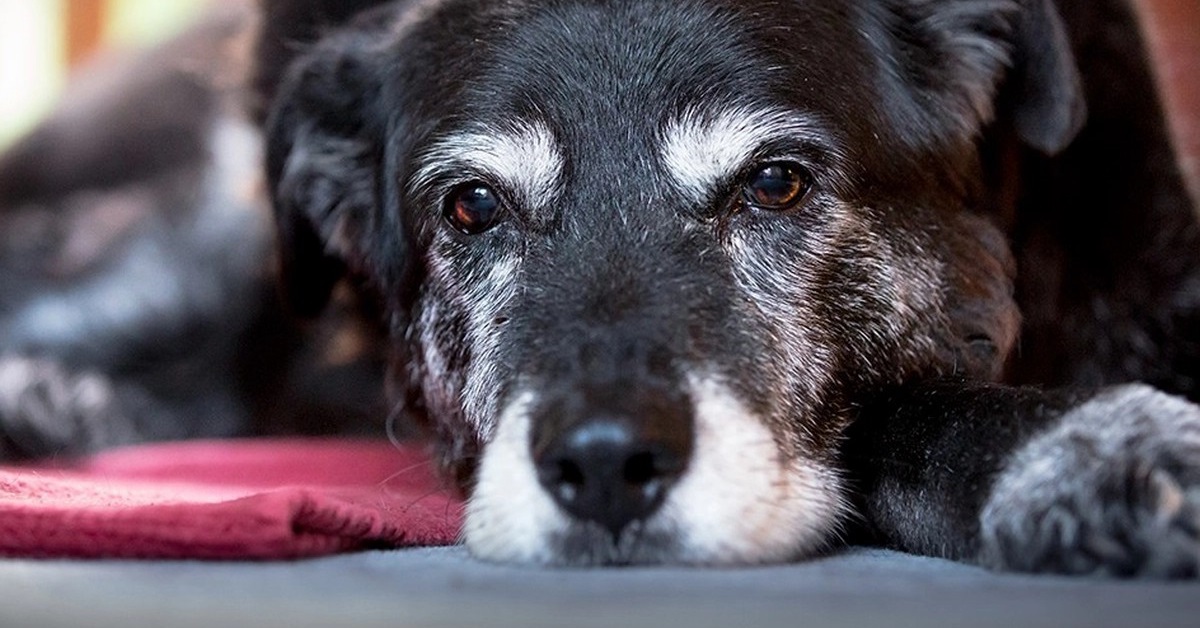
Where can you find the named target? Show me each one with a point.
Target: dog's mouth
(586, 544)
(709, 484)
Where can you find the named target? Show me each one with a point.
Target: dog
(695, 281)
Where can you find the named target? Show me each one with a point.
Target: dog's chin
(741, 501)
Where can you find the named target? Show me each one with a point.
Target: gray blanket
(444, 587)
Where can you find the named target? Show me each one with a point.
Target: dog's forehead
(628, 65)
(610, 90)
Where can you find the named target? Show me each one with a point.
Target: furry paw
(1113, 489)
(46, 410)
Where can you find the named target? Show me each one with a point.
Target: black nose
(607, 471)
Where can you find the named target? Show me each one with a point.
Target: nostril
(570, 481)
(569, 473)
(641, 469)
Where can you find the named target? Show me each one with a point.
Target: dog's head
(641, 257)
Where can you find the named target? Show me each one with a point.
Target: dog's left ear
(323, 157)
(966, 51)
(315, 83)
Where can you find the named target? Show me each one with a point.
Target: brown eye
(777, 186)
(473, 208)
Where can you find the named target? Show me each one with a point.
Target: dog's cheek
(846, 309)
(984, 319)
(903, 292)
(742, 499)
(509, 516)
(942, 294)
(438, 359)
(486, 307)
(849, 305)
(455, 343)
(879, 300)
(777, 281)
(462, 297)
(920, 293)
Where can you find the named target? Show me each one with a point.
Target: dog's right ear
(957, 54)
(316, 86)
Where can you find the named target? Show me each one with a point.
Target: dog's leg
(46, 410)
(49, 410)
(1067, 482)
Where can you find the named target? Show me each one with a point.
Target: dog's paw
(46, 410)
(1113, 490)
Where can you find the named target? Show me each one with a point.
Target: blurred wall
(1173, 30)
(41, 39)
(31, 58)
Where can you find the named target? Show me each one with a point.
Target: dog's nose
(607, 471)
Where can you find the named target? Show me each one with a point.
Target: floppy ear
(322, 167)
(960, 53)
(322, 159)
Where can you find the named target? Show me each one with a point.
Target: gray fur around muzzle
(623, 435)
(608, 345)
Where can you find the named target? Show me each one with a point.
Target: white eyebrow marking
(702, 150)
(524, 157)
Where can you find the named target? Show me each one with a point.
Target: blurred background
(41, 40)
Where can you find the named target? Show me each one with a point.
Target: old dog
(698, 281)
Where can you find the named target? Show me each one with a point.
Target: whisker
(408, 469)
(639, 535)
(421, 498)
(390, 425)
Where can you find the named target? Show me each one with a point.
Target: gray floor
(444, 587)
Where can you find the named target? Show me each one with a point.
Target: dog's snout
(606, 470)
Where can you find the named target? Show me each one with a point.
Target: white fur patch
(524, 157)
(740, 501)
(702, 151)
(486, 301)
(510, 517)
(782, 293)
(482, 293)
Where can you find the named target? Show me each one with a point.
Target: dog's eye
(473, 208)
(777, 186)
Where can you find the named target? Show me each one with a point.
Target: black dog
(707, 281)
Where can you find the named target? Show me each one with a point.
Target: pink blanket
(226, 500)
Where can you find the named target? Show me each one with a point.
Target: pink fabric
(227, 500)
